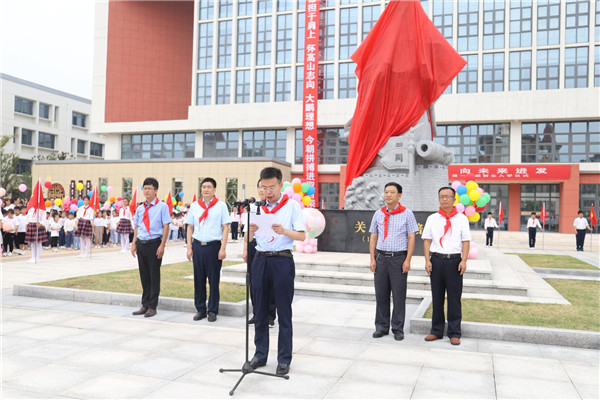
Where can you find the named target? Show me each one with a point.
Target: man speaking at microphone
(273, 270)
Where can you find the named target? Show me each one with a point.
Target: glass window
(80, 146)
(263, 41)
(484, 143)
(264, 143)
(370, 15)
(493, 24)
(205, 45)
(442, 17)
(242, 86)
(597, 30)
(548, 26)
(26, 137)
(468, 20)
(348, 32)
(265, 6)
(299, 82)
(519, 74)
(589, 193)
(231, 192)
(520, 23)
(204, 89)
(576, 67)
(45, 140)
(79, 119)
(425, 4)
(329, 194)
(284, 39)
(223, 87)
(244, 8)
(224, 49)
(44, 111)
(221, 144)
(597, 66)
(23, 106)
(577, 16)
(158, 145)
(244, 42)
(467, 77)
(96, 149)
(332, 144)
(325, 81)
(327, 36)
(300, 38)
(285, 5)
(206, 9)
(283, 83)
(532, 199)
(23, 166)
(493, 72)
(262, 92)
(225, 8)
(547, 69)
(127, 188)
(347, 81)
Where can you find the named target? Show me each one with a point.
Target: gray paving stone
(158, 366)
(570, 354)
(51, 351)
(463, 361)
(339, 332)
(9, 326)
(583, 374)
(519, 387)
(199, 352)
(52, 378)
(530, 367)
(183, 390)
(381, 373)
(429, 393)
(12, 344)
(333, 348)
(399, 354)
(97, 338)
(347, 388)
(450, 382)
(47, 332)
(320, 366)
(106, 359)
(13, 366)
(509, 348)
(14, 393)
(112, 385)
(591, 392)
(299, 386)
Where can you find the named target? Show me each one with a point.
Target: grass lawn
(172, 282)
(581, 314)
(550, 261)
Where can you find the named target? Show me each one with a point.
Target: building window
(493, 72)
(242, 86)
(284, 5)
(231, 192)
(225, 44)
(467, 78)
(347, 81)
(370, 15)
(520, 23)
(589, 193)
(204, 89)
(576, 67)
(127, 188)
(23, 166)
(425, 4)
(283, 83)
(264, 143)
(262, 92)
(221, 144)
(348, 32)
(532, 199)
(563, 142)
(577, 21)
(205, 45)
(493, 24)
(468, 19)
(485, 143)
(299, 82)
(44, 111)
(265, 6)
(597, 30)
(300, 39)
(327, 36)
(548, 26)
(263, 41)
(23, 106)
(442, 17)
(79, 119)
(80, 146)
(329, 194)
(498, 194)
(96, 149)
(157, 145)
(223, 87)
(520, 70)
(284, 39)
(45, 140)
(206, 9)
(244, 42)
(244, 8)
(597, 66)
(26, 137)
(325, 90)
(547, 69)
(332, 144)
(225, 8)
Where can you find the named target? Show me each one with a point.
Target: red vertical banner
(310, 147)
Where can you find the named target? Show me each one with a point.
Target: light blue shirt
(159, 216)
(290, 217)
(399, 227)
(211, 228)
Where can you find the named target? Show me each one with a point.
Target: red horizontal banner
(510, 172)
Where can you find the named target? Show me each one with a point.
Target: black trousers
(20, 239)
(489, 236)
(206, 265)
(9, 241)
(272, 307)
(273, 275)
(389, 279)
(234, 230)
(149, 266)
(532, 232)
(580, 238)
(54, 241)
(445, 279)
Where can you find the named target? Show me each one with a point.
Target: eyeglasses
(268, 188)
(446, 197)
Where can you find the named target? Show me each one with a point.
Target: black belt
(391, 253)
(203, 244)
(148, 241)
(441, 255)
(282, 253)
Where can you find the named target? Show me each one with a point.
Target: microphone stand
(245, 370)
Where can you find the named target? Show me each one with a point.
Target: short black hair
(86, 197)
(489, 213)
(151, 182)
(579, 212)
(209, 180)
(397, 185)
(447, 188)
(258, 183)
(533, 213)
(11, 211)
(18, 207)
(271, 172)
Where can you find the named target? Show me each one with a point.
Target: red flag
(593, 218)
(543, 215)
(500, 214)
(37, 201)
(133, 202)
(194, 199)
(95, 200)
(403, 66)
(170, 202)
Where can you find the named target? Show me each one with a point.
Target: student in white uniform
(581, 225)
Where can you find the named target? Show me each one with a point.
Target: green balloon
(481, 202)
(465, 199)
(487, 197)
(103, 188)
(305, 187)
(174, 200)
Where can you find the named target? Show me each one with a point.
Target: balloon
(487, 197)
(480, 190)
(90, 193)
(180, 203)
(305, 187)
(112, 199)
(297, 197)
(475, 217)
(79, 186)
(455, 184)
(469, 177)
(58, 202)
(289, 191)
(120, 203)
(312, 242)
(479, 209)
(469, 211)
(460, 207)
(314, 222)
(106, 206)
(103, 188)
(471, 185)
(47, 203)
(299, 247)
(461, 189)
(481, 202)
(2, 192)
(297, 187)
(473, 252)
(73, 207)
(311, 190)
(166, 197)
(22, 187)
(296, 180)
(109, 189)
(306, 200)
(465, 199)
(180, 194)
(178, 206)
(47, 184)
(474, 195)
(119, 198)
(308, 249)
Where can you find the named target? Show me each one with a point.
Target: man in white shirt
(532, 224)
(489, 224)
(446, 240)
(580, 225)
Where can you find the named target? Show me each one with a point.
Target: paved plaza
(65, 349)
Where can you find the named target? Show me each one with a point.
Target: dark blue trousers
(206, 265)
(445, 278)
(273, 275)
(251, 254)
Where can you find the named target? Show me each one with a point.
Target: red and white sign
(511, 172)
(310, 153)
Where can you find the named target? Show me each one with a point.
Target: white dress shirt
(490, 223)
(533, 222)
(580, 223)
(451, 243)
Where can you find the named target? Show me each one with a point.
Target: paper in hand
(264, 222)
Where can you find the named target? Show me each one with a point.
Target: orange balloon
(180, 203)
(112, 199)
(48, 203)
(297, 187)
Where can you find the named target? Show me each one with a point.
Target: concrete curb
(511, 333)
(568, 272)
(121, 299)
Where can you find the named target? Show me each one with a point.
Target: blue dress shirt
(211, 228)
(290, 217)
(159, 216)
(399, 227)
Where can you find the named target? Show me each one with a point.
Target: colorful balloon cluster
(314, 222)
(299, 191)
(470, 198)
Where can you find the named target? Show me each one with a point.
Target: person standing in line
(85, 216)
(36, 232)
(9, 225)
(21, 229)
(489, 225)
(124, 228)
(69, 228)
(532, 224)
(581, 225)
(446, 241)
(151, 229)
(55, 227)
(392, 243)
(208, 229)
(235, 224)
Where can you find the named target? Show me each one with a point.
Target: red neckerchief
(284, 199)
(448, 223)
(386, 220)
(146, 218)
(206, 208)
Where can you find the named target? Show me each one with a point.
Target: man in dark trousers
(532, 224)
(391, 245)
(273, 270)
(208, 227)
(580, 224)
(446, 240)
(151, 229)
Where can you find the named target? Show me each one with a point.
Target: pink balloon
(460, 207)
(73, 207)
(22, 187)
(470, 210)
(312, 242)
(120, 203)
(289, 191)
(2, 192)
(109, 189)
(480, 190)
(473, 252)
(300, 247)
(296, 180)
(297, 197)
(308, 249)
(456, 184)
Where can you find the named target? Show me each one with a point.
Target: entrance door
(532, 197)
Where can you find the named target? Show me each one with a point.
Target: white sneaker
(31, 260)
(9, 254)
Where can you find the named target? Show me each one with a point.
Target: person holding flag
(83, 230)
(36, 233)
(532, 224)
(581, 225)
(124, 228)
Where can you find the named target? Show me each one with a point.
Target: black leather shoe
(199, 315)
(150, 313)
(253, 364)
(212, 317)
(251, 321)
(377, 334)
(399, 336)
(141, 311)
(282, 369)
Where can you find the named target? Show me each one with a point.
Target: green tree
(10, 178)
